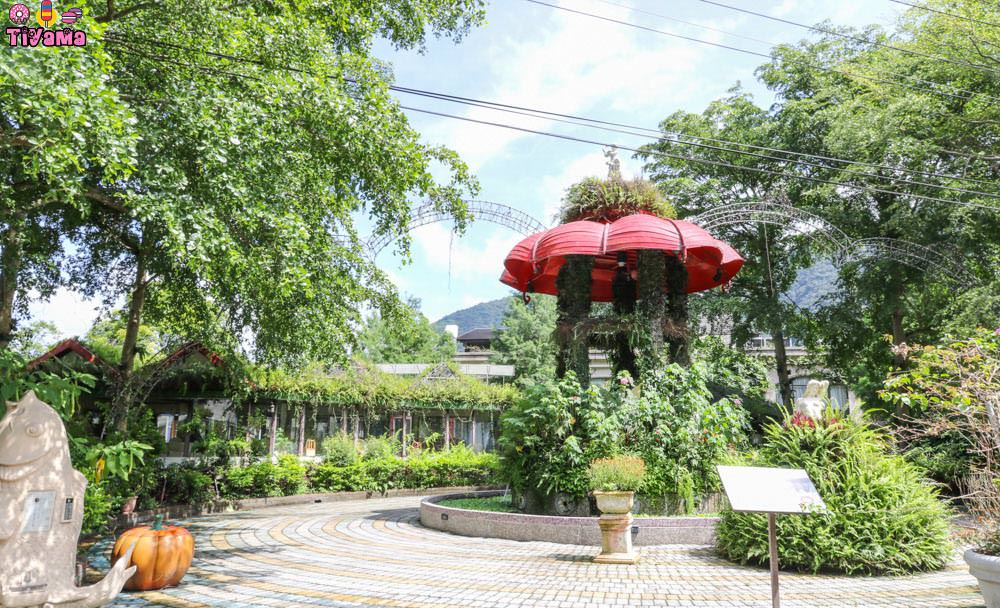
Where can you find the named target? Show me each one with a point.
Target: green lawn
(499, 504)
(502, 504)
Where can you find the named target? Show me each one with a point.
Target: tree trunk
(677, 333)
(781, 363)
(11, 261)
(573, 304)
(136, 303)
(652, 302)
(301, 447)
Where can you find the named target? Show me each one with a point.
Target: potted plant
(614, 482)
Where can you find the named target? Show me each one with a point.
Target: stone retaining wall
(566, 530)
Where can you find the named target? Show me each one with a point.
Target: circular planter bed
(566, 530)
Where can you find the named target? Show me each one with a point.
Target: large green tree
(525, 339)
(932, 130)
(211, 176)
(708, 176)
(404, 335)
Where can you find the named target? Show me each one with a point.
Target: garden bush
(883, 517)
(264, 479)
(339, 450)
(682, 432)
(459, 466)
(550, 435)
(182, 484)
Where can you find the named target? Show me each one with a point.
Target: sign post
(771, 491)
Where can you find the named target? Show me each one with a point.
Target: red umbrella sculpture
(534, 264)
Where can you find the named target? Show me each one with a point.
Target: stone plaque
(38, 512)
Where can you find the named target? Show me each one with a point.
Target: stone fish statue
(41, 513)
(813, 401)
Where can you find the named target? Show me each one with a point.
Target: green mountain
(485, 314)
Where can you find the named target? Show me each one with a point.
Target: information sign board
(767, 490)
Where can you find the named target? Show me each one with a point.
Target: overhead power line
(823, 30)
(867, 188)
(952, 15)
(643, 131)
(705, 160)
(814, 66)
(677, 136)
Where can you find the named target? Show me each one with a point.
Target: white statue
(41, 512)
(614, 165)
(813, 401)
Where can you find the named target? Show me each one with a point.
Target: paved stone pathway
(375, 553)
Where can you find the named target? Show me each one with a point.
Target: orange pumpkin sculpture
(162, 555)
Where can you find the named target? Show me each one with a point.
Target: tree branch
(104, 200)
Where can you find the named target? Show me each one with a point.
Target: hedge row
(289, 476)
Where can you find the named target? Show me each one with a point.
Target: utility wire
(749, 52)
(603, 144)
(690, 23)
(642, 132)
(705, 160)
(952, 15)
(830, 32)
(677, 136)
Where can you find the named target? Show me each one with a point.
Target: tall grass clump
(609, 199)
(882, 516)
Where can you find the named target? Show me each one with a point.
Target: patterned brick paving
(375, 553)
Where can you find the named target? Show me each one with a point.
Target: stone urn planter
(986, 568)
(615, 503)
(616, 527)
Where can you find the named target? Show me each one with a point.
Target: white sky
(540, 57)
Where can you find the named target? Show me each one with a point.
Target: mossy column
(573, 287)
(676, 332)
(652, 301)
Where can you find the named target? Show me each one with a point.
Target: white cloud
(577, 66)
(467, 258)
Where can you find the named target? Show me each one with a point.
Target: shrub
(97, 507)
(681, 432)
(328, 477)
(262, 479)
(185, 485)
(381, 448)
(883, 517)
(617, 474)
(551, 434)
(951, 392)
(458, 466)
(339, 450)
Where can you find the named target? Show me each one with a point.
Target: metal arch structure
(496, 213)
(827, 235)
(911, 254)
(843, 249)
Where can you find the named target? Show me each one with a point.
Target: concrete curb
(175, 512)
(646, 531)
